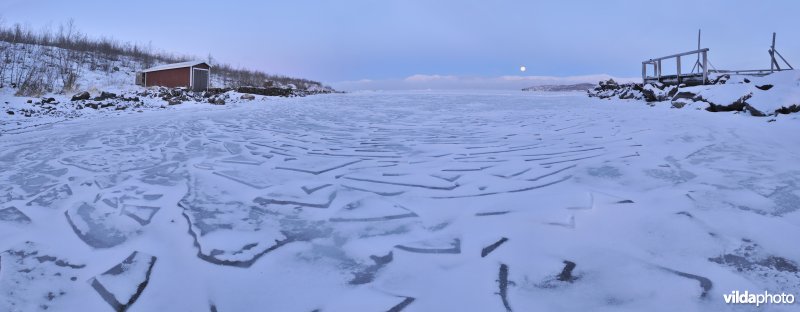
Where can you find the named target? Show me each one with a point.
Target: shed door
(200, 82)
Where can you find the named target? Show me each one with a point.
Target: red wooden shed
(193, 75)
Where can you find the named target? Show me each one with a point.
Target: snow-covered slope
(97, 72)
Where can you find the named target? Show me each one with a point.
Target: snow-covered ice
(400, 201)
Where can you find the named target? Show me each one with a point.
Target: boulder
(609, 85)
(81, 96)
(740, 105)
(105, 96)
(248, 97)
(788, 110)
(680, 103)
(683, 95)
(722, 79)
(682, 98)
(649, 95)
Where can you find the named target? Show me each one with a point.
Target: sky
(398, 44)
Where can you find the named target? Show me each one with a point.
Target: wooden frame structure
(702, 54)
(701, 76)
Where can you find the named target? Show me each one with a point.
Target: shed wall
(173, 78)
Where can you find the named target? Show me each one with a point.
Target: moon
(522, 68)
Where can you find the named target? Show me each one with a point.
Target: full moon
(522, 68)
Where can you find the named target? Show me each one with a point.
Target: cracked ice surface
(413, 201)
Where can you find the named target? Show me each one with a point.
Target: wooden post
(678, 59)
(644, 72)
(698, 54)
(659, 70)
(705, 67)
(773, 62)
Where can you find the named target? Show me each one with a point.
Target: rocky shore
(777, 93)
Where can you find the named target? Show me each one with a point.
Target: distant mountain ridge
(561, 87)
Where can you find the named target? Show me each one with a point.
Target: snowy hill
(55, 84)
(35, 69)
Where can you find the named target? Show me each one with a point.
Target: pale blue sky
(389, 40)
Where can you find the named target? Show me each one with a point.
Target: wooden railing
(657, 73)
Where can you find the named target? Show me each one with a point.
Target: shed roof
(174, 65)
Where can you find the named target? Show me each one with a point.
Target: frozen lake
(400, 201)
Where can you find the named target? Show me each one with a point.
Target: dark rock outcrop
(739, 105)
(81, 96)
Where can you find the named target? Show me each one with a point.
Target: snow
(785, 91)
(412, 201)
(173, 66)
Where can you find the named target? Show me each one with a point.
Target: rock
(48, 100)
(738, 105)
(764, 87)
(680, 99)
(81, 96)
(566, 273)
(722, 79)
(115, 68)
(649, 95)
(30, 101)
(679, 103)
(609, 85)
(684, 95)
(674, 90)
(105, 96)
(248, 97)
(788, 110)
(285, 92)
(173, 102)
(10, 112)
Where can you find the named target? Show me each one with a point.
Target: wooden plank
(784, 60)
(676, 55)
